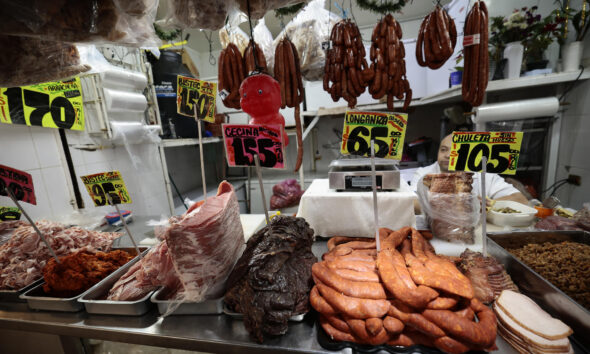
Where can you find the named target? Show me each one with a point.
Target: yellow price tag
(502, 150)
(51, 104)
(387, 129)
(9, 213)
(102, 185)
(191, 92)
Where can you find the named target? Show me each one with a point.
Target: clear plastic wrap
(582, 217)
(203, 14)
(285, 194)
(263, 39)
(308, 30)
(27, 61)
(258, 8)
(127, 22)
(452, 213)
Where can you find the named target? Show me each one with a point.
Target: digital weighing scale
(355, 174)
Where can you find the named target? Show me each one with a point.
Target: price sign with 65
(197, 93)
(388, 131)
(19, 182)
(502, 149)
(51, 104)
(243, 141)
(102, 185)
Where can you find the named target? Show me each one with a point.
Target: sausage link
(320, 304)
(393, 325)
(280, 71)
(362, 290)
(353, 307)
(374, 326)
(334, 333)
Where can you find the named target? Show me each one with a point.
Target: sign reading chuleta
(502, 150)
(196, 94)
(387, 129)
(243, 141)
(102, 185)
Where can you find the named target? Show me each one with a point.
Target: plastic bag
(258, 8)
(285, 194)
(308, 30)
(582, 217)
(263, 39)
(232, 33)
(27, 61)
(451, 210)
(105, 21)
(203, 14)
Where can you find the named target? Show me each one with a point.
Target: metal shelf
(188, 141)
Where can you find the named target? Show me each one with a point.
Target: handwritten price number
(100, 192)
(41, 106)
(468, 158)
(203, 103)
(17, 189)
(246, 148)
(355, 144)
(9, 215)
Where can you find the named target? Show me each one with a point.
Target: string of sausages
(476, 62)
(388, 63)
(436, 39)
(253, 50)
(346, 73)
(403, 295)
(230, 73)
(287, 72)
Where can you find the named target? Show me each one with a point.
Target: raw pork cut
(196, 256)
(24, 256)
(555, 222)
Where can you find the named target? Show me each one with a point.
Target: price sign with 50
(193, 93)
(502, 150)
(388, 131)
(101, 186)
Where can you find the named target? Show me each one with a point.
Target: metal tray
(38, 300)
(14, 295)
(239, 316)
(547, 295)
(207, 307)
(94, 299)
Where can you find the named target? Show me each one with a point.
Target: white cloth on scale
(332, 213)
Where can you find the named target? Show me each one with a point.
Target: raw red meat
(285, 194)
(555, 222)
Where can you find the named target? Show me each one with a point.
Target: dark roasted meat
(487, 276)
(272, 279)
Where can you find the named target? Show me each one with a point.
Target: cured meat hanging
(253, 57)
(436, 39)
(346, 68)
(230, 73)
(388, 63)
(287, 72)
(477, 66)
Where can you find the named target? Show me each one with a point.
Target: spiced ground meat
(566, 265)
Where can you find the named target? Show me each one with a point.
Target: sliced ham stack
(196, 256)
(529, 329)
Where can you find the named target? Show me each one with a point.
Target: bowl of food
(509, 213)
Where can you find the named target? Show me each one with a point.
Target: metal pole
(374, 186)
(484, 249)
(259, 173)
(125, 225)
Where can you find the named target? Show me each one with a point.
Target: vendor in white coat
(496, 187)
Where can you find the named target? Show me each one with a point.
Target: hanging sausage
(477, 66)
(436, 39)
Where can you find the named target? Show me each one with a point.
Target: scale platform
(355, 174)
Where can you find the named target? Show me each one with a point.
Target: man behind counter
(496, 187)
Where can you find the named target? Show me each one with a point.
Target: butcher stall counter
(210, 333)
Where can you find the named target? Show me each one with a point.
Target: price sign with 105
(243, 141)
(193, 93)
(502, 150)
(52, 104)
(19, 182)
(387, 130)
(101, 186)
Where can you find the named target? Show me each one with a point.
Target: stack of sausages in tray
(401, 296)
(346, 73)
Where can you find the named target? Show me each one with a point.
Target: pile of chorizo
(287, 72)
(436, 39)
(476, 63)
(388, 63)
(230, 73)
(346, 73)
(401, 296)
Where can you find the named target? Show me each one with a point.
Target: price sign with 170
(51, 104)
(387, 129)
(197, 93)
(102, 185)
(19, 182)
(243, 141)
(502, 150)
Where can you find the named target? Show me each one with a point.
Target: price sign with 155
(191, 92)
(51, 104)
(102, 185)
(19, 182)
(502, 150)
(243, 141)
(387, 129)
